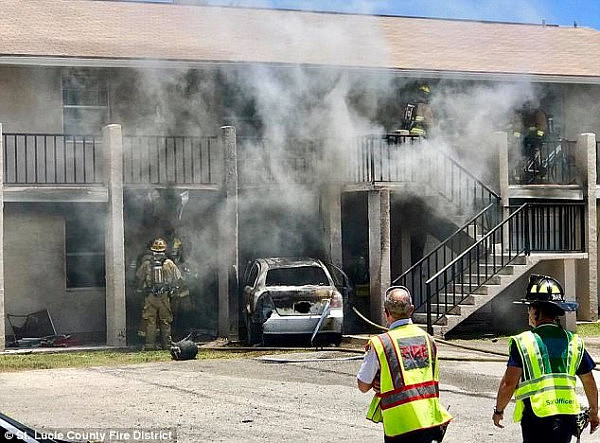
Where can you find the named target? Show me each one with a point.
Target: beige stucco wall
(597, 224)
(30, 99)
(34, 272)
(581, 110)
(510, 317)
(165, 101)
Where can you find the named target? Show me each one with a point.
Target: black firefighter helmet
(543, 289)
(184, 350)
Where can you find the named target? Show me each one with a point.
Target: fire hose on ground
(582, 419)
(361, 352)
(447, 343)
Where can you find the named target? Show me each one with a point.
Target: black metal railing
(387, 158)
(51, 159)
(264, 162)
(410, 159)
(553, 162)
(464, 237)
(163, 160)
(532, 227)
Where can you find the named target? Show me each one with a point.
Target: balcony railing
(552, 163)
(263, 162)
(163, 160)
(51, 159)
(402, 159)
(377, 158)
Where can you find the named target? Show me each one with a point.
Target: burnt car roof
(289, 262)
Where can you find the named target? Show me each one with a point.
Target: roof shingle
(123, 30)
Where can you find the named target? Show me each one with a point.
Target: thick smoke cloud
(297, 130)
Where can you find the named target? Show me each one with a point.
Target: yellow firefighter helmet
(159, 245)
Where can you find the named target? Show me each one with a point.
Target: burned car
(294, 297)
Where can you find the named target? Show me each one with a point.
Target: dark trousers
(555, 429)
(420, 436)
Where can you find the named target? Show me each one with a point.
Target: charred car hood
(305, 300)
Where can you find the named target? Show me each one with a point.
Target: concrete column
(116, 318)
(501, 142)
(569, 283)
(332, 213)
(379, 250)
(2, 310)
(228, 296)
(588, 289)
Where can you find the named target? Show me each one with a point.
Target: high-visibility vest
(409, 394)
(550, 393)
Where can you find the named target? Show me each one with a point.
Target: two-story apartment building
(261, 132)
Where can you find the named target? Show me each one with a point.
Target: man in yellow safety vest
(542, 369)
(401, 366)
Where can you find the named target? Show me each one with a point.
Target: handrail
(394, 158)
(465, 171)
(445, 242)
(544, 227)
(483, 239)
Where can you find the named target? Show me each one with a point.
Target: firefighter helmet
(159, 245)
(424, 88)
(184, 350)
(545, 289)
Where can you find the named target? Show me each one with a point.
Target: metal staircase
(487, 252)
(446, 295)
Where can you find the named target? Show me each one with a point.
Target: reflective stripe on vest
(410, 393)
(549, 393)
(408, 398)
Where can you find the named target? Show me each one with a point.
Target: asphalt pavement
(246, 400)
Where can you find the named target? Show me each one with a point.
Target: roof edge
(145, 63)
(330, 12)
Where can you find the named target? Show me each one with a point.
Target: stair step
(446, 309)
(468, 288)
(457, 299)
(421, 318)
(493, 280)
(507, 270)
(518, 260)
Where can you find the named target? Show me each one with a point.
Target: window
(85, 247)
(85, 102)
(305, 275)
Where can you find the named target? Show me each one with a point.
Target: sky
(586, 13)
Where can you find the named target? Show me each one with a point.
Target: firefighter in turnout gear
(418, 116)
(542, 369)
(401, 366)
(174, 246)
(533, 131)
(159, 279)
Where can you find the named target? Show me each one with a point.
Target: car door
(249, 285)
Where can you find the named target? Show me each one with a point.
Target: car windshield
(304, 275)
